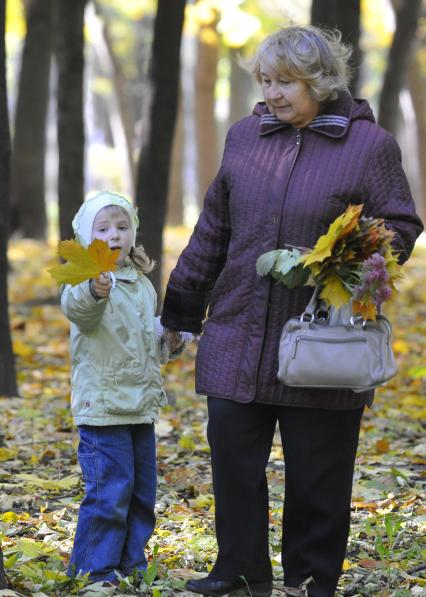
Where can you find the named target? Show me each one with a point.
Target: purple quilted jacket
(278, 186)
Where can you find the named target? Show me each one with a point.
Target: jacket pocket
(123, 391)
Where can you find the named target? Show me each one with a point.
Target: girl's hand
(102, 285)
(173, 339)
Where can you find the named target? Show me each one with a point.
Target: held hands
(173, 340)
(101, 286)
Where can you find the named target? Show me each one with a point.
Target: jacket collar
(128, 272)
(332, 121)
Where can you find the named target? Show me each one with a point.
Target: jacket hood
(83, 222)
(333, 120)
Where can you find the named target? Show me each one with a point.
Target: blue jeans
(116, 516)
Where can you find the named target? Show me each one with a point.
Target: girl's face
(112, 225)
(289, 100)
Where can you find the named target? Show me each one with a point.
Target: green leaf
(381, 548)
(10, 561)
(287, 260)
(266, 262)
(280, 261)
(417, 372)
(150, 573)
(298, 276)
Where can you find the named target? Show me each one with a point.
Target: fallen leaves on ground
(40, 484)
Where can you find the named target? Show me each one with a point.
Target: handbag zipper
(329, 340)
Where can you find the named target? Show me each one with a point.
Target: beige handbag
(330, 348)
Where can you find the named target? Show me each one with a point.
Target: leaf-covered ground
(40, 486)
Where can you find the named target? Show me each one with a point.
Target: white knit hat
(84, 218)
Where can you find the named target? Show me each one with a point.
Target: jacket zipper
(327, 340)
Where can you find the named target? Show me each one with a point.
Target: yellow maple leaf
(83, 264)
(339, 228)
(346, 565)
(382, 446)
(401, 346)
(366, 310)
(350, 219)
(392, 266)
(334, 292)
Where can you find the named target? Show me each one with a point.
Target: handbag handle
(310, 309)
(315, 306)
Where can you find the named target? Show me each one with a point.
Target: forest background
(137, 96)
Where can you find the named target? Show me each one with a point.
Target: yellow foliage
(187, 443)
(382, 446)
(202, 501)
(33, 549)
(22, 350)
(84, 264)
(401, 347)
(339, 228)
(132, 9)
(377, 19)
(7, 454)
(209, 37)
(413, 400)
(49, 484)
(237, 27)
(15, 18)
(366, 310)
(203, 12)
(334, 293)
(10, 517)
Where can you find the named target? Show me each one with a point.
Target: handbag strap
(316, 307)
(311, 307)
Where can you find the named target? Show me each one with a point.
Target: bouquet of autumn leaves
(354, 261)
(84, 264)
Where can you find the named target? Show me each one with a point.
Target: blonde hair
(137, 255)
(310, 54)
(140, 259)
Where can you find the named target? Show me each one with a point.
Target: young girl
(116, 394)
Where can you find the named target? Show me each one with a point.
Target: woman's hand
(101, 286)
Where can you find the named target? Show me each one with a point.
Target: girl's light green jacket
(115, 369)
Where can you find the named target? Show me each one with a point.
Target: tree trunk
(241, 89)
(70, 57)
(154, 162)
(344, 15)
(407, 16)
(418, 95)
(175, 197)
(7, 363)
(28, 209)
(205, 123)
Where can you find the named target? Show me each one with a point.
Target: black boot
(215, 587)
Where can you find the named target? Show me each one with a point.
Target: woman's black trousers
(319, 452)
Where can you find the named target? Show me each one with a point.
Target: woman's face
(289, 100)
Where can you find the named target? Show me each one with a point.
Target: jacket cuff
(184, 310)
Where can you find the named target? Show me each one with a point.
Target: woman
(288, 171)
